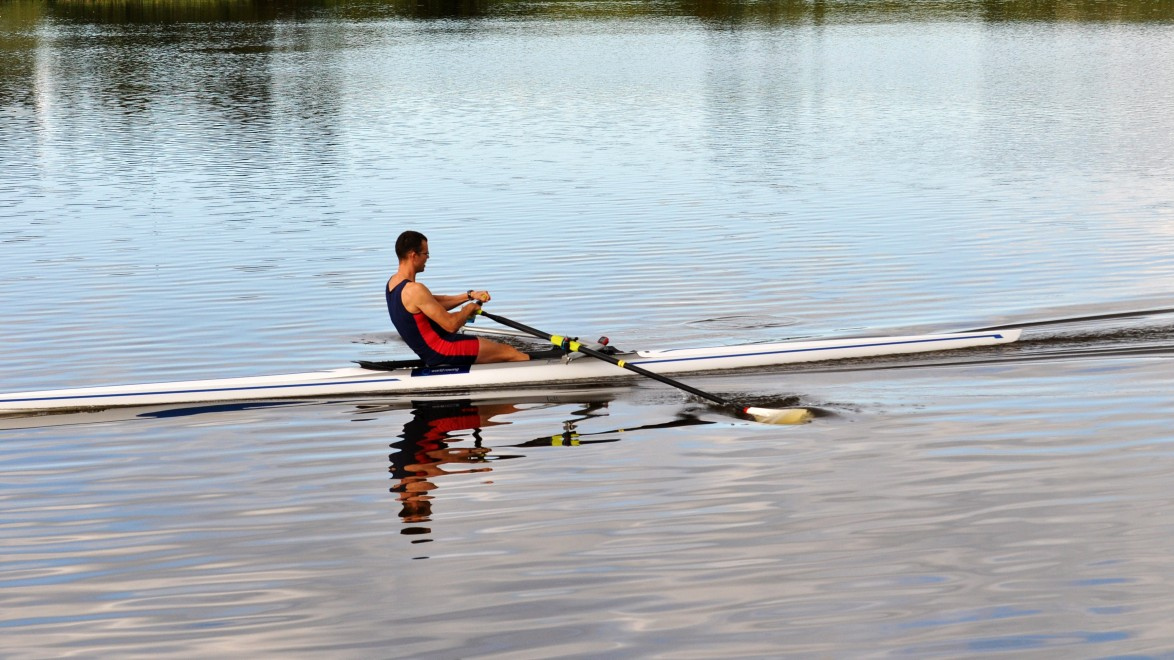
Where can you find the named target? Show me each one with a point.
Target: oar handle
(566, 343)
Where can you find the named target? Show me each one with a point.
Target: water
(196, 190)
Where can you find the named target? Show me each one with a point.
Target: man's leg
(492, 351)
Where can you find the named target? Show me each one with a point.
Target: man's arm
(417, 296)
(449, 302)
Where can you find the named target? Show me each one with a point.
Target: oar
(764, 415)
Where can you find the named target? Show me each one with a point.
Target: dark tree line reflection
(184, 34)
(777, 11)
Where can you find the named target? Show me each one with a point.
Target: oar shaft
(563, 342)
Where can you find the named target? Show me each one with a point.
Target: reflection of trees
(772, 13)
(18, 22)
(726, 11)
(236, 11)
(844, 11)
(445, 8)
(176, 11)
(226, 75)
(1077, 10)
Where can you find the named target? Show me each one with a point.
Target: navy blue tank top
(425, 337)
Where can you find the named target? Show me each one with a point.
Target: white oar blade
(780, 416)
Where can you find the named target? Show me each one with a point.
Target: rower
(428, 323)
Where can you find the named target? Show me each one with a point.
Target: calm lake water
(213, 189)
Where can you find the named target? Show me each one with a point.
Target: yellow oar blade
(780, 416)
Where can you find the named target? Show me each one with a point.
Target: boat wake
(1134, 333)
(1144, 333)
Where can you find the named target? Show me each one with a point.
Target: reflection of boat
(106, 415)
(361, 407)
(407, 377)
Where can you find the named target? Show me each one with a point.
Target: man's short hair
(409, 241)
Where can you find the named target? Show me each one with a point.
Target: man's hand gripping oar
(764, 415)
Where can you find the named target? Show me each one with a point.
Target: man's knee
(491, 351)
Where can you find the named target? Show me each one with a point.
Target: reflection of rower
(425, 450)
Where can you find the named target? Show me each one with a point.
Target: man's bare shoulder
(415, 289)
(417, 297)
(410, 285)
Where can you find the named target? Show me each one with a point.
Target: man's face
(421, 257)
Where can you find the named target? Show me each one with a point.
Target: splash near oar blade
(780, 416)
(763, 415)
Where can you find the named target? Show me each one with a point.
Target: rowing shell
(359, 380)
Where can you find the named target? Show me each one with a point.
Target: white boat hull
(351, 381)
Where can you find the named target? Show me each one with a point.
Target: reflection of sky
(236, 188)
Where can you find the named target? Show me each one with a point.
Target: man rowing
(429, 323)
